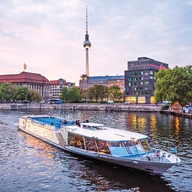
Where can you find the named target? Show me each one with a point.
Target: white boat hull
(57, 138)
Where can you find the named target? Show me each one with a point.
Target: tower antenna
(86, 21)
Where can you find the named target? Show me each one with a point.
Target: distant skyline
(48, 35)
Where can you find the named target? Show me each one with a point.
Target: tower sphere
(87, 44)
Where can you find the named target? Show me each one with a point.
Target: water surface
(28, 164)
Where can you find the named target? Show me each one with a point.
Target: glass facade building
(140, 79)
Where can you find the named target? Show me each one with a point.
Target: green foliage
(114, 92)
(72, 95)
(97, 92)
(7, 91)
(34, 95)
(64, 94)
(21, 93)
(174, 85)
(10, 92)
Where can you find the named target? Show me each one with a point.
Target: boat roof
(106, 134)
(97, 130)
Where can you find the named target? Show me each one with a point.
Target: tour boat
(96, 141)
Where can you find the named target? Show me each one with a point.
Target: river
(28, 164)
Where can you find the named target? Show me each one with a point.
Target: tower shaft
(87, 61)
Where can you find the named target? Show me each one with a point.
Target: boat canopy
(105, 133)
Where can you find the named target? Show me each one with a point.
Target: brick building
(31, 80)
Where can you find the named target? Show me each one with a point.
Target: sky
(48, 35)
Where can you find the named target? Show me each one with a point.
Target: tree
(114, 92)
(174, 85)
(74, 95)
(21, 93)
(97, 92)
(161, 85)
(34, 95)
(84, 94)
(7, 91)
(64, 94)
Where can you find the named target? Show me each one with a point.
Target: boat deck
(53, 121)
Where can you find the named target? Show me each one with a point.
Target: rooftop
(24, 77)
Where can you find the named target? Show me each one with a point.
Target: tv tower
(87, 45)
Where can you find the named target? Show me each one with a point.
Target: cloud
(48, 35)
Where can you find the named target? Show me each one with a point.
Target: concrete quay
(83, 106)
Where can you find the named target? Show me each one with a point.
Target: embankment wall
(74, 106)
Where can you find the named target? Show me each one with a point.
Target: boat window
(76, 141)
(90, 144)
(103, 147)
(130, 147)
(126, 148)
(139, 147)
(135, 146)
(145, 145)
(71, 140)
(118, 151)
(115, 144)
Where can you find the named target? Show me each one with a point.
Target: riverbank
(119, 107)
(83, 106)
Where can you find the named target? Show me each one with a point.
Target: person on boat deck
(79, 144)
(102, 147)
(78, 123)
(65, 121)
(91, 146)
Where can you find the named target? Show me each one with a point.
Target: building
(107, 81)
(83, 82)
(56, 87)
(31, 80)
(140, 79)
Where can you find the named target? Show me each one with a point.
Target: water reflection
(42, 149)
